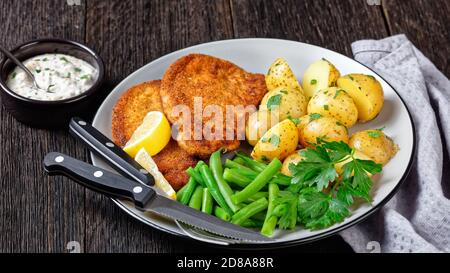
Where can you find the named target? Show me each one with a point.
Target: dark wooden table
(42, 214)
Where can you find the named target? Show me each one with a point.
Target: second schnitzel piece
(128, 114)
(216, 82)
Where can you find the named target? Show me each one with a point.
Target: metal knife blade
(177, 211)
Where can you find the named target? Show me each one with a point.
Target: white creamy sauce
(60, 76)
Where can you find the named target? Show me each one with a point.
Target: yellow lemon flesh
(146, 161)
(152, 135)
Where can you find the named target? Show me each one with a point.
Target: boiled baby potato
(319, 75)
(317, 128)
(292, 158)
(286, 102)
(375, 144)
(279, 142)
(334, 102)
(366, 92)
(281, 75)
(258, 123)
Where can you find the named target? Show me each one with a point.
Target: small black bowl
(49, 114)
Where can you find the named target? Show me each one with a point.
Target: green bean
(239, 160)
(280, 210)
(196, 199)
(196, 175)
(281, 181)
(222, 214)
(232, 176)
(252, 164)
(257, 196)
(213, 187)
(190, 188)
(245, 172)
(215, 165)
(180, 192)
(259, 182)
(252, 223)
(250, 210)
(233, 165)
(271, 220)
(207, 202)
(260, 216)
(279, 178)
(248, 173)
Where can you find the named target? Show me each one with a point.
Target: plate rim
(300, 241)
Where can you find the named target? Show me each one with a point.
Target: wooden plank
(426, 24)
(127, 35)
(38, 214)
(331, 24)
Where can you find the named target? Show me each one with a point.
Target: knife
(144, 197)
(102, 146)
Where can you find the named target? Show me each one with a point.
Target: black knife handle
(106, 149)
(97, 179)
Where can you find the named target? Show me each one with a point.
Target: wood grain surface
(42, 214)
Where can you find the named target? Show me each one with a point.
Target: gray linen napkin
(417, 219)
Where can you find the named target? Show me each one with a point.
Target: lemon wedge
(153, 135)
(147, 162)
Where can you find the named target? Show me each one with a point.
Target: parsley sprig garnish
(324, 196)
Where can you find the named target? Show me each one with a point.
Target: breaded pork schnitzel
(217, 82)
(128, 114)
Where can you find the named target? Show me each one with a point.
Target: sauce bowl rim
(88, 92)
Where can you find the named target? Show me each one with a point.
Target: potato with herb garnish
(366, 92)
(317, 128)
(286, 102)
(292, 158)
(334, 102)
(375, 144)
(281, 75)
(258, 123)
(319, 75)
(279, 142)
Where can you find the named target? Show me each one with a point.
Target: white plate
(256, 55)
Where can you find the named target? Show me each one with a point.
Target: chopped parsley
(274, 140)
(38, 71)
(375, 133)
(273, 102)
(45, 59)
(296, 121)
(326, 107)
(313, 81)
(13, 75)
(314, 116)
(77, 69)
(351, 78)
(337, 93)
(284, 92)
(64, 59)
(85, 77)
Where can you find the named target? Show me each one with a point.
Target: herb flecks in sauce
(60, 76)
